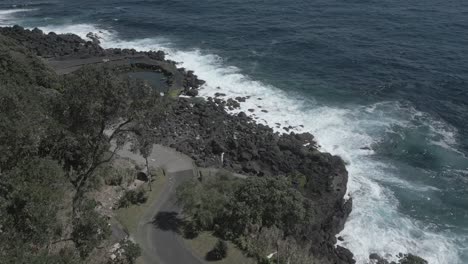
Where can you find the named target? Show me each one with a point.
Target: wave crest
(375, 224)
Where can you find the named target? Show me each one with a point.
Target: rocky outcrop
(213, 138)
(53, 45)
(402, 259)
(66, 47)
(203, 130)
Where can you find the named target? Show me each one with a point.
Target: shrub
(219, 251)
(130, 251)
(191, 230)
(132, 197)
(113, 179)
(89, 229)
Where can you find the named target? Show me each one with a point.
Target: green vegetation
(58, 135)
(259, 214)
(20, 67)
(137, 197)
(89, 228)
(204, 242)
(130, 216)
(55, 134)
(128, 252)
(219, 252)
(173, 93)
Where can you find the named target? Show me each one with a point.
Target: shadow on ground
(171, 221)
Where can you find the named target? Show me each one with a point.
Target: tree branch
(119, 129)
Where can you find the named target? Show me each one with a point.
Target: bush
(219, 251)
(115, 176)
(89, 229)
(191, 231)
(132, 197)
(130, 251)
(113, 179)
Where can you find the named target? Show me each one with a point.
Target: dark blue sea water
(391, 75)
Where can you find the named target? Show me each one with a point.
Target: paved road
(160, 242)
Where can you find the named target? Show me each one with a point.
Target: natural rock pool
(157, 80)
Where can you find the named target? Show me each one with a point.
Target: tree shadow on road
(168, 221)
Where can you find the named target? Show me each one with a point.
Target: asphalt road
(158, 230)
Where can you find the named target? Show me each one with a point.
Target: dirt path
(158, 233)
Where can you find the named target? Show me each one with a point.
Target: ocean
(383, 84)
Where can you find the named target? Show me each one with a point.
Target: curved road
(157, 232)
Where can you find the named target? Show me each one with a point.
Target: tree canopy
(55, 131)
(247, 211)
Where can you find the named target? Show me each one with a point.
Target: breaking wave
(356, 133)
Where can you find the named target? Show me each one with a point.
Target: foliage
(270, 240)
(130, 251)
(219, 251)
(206, 202)
(137, 196)
(114, 179)
(115, 176)
(126, 253)
(20, 67)
(89, 228)
(22, 124)
(22, 255)
(55, 132)
(28, 202)
(265, 202)
(249, 212)
(95, 108)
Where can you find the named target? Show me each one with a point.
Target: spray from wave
(6, 16)
(375, 224)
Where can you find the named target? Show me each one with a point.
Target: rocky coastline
(213, 138)
(205, 131)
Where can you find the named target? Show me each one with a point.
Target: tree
(20, 67)
(259, 214)
(265, 201)
(22, 123)
(129, 251)
(54, 133)
(89, 228)
(206, 202)
(219, 251)
(137, 196)
(22, 255)
(98, 107)
(29, 206)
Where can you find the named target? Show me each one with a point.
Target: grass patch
(205, 242)
(174, 93)
(130, 216)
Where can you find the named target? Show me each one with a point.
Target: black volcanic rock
(205, 132)
(240, 99)
(192, 92)
(69, 46)
(94, 38)
(53, 45)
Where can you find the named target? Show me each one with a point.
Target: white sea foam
(375, 224)
(7, 16)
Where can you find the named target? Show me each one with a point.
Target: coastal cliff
(203, 129)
